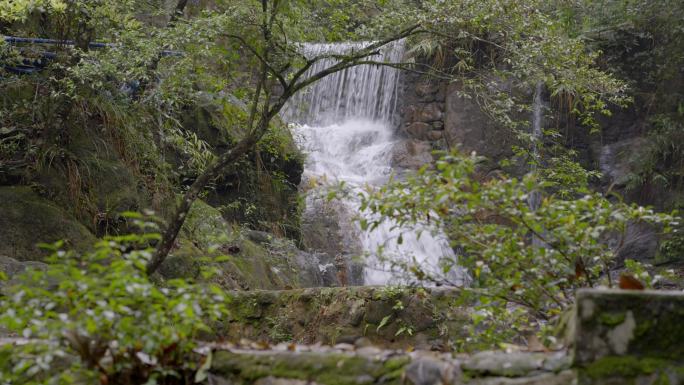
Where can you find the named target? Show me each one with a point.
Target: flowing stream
(346, 125)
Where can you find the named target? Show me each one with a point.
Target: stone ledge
(287, 365)
(614, 323)
(385, 316)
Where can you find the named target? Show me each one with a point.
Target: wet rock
(466, 125)
(411, 154)
(419, 130)
(428, 113)
(426, 90)
(329, 232)
(618, 160)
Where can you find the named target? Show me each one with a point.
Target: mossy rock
(205, 226)
(334, 315)
(645, 324)
(27, 219)
(319, 368)
(271, 263)
(115, 187)
(183, 263)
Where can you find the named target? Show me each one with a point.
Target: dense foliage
(98, 317)
(510, 252)
(185, 96)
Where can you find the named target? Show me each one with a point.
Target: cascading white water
(345, 123)
(362, 92)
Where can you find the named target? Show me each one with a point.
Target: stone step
(341, 365)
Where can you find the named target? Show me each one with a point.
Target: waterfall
(363, 92)
(345, 123)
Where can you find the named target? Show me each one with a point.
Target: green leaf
(383, 322)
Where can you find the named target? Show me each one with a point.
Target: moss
(624, 366)
(249, 265)
(245, 309)
(612, 319)
(396, 363)
(27, 219)
(663, 379)
(330, 315)
(325, 369)
(115, 187)
(205, 226)
(182, 263)
(657, 331)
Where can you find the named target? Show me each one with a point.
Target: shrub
(522, 260)
(98, 317)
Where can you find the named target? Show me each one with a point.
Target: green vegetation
(98, 317)
(175, 110)
(512, 253)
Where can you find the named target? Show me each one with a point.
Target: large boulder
(27, 219)
(251, 259)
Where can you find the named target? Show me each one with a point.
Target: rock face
(394, 317)
(255, 259)
(618, 160)
(467, 125)
(328, 231)
(423, 111)
(436, 115)
(412, 154)
(27, 219)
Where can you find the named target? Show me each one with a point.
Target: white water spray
(345, 124)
